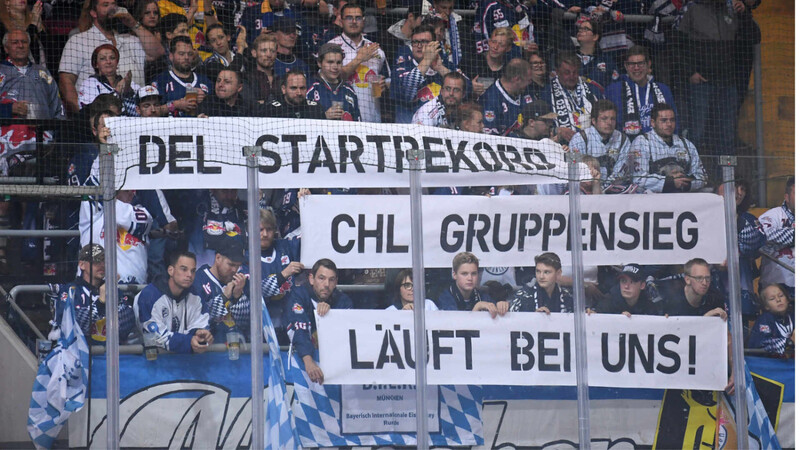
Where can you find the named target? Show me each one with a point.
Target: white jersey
(431, 113)
(778, 224)
(377, 65)
(649, 158)
(133, 227)
(589, 142)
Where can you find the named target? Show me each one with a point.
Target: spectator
(694, 296)
(490, 67)
(280, 265)
(469, 117)
(539, 77)
(211, 217)
(504, 100)
(537, 121)
(106, 80)
(662, 161)
(778, 225)
(134, 50)
(417, 79)
(570, 96)
(221, 57)
(133, 227)
(223, 289)
(637, 93)
(328, 87)
(602, 140)
(319, 294)
(15, 15)
(89, 301)
(27, 91)
(595, 65)
(492, 14)
(259, 78)
(439, 111)
(463, 294)
(709, 30)
(773, 330)
(169, 27)
(363, 59)
(629, 296)
(180, 87)
(397, 39)
(258, 16)
(451, 44)
(403, 297)
(199, 15)
(226, 101)
(293, 103)
(180, 317)
(751, 239)
(149, 102)
(543, 294)
(148, 14)
(286, 36)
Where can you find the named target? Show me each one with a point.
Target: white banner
(388, 408)
(191, 153)
(357, 231)
(530, 349)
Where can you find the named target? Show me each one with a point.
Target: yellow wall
(776, 19)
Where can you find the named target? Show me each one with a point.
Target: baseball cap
(147, 91)
(233, 249)
(537, 109)
(634, 271)
(92, 253)
(284, 25)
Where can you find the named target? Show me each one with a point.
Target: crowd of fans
(640, 102)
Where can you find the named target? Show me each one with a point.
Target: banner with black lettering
(189, 153)
(358, 231)
(524, 349)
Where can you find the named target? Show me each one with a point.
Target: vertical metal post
(759, 110)
(418, 269)
(106, 154)
(579, 297)
(256, 325)
(734, 294)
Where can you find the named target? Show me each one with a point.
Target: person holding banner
(179, 315)
(695, 297)
(463, 293)
(629, 296)
(403, 298)
(320, 295)
(543, 294)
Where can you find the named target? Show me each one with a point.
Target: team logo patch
(681, 154)
(214, 228)
(632, 127)
(45, 76)
(284, 259)
(164, 313)
(297, 309)
(601, 66)
(489, 116)
(763, 328)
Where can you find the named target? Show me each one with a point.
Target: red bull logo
(125, 240)
(429, 92)
(359, 77)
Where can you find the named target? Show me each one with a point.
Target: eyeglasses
(638, 64)
(589, 29)
(354, 18)
(700, 279)
(407, 285)
(419, 43)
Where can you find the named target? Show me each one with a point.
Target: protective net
(501, 108)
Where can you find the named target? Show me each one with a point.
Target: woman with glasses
(403, 297)
(595, 65)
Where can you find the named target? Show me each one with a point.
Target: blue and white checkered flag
(60, 385)
(279, 432)
(759, 427)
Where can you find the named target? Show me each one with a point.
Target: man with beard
(570, 96)
(363, 59)
(222, 287)
(226, 101)
(328, 87)
(259, 78)
(662, 161)
(537, 121)
(319, 294)
(293, 103)
(439, 111)
(134, 50)
(180, 87)
(636, 93)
